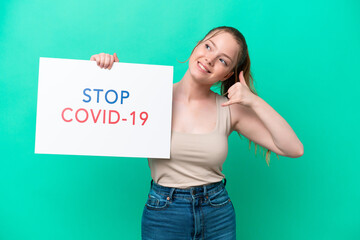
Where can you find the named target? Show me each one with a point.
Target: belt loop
(205, 190)
(171, 193)
(224, 182)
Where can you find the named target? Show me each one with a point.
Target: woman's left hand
(240, 93)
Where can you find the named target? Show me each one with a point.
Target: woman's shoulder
(224, 113)
(221, 98)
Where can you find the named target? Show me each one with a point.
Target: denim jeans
(202, 212)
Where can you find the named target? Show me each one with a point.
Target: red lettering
(93, 116)
(77, 112)
(62, 115)
(118, 116)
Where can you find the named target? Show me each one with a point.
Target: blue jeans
(202, 212)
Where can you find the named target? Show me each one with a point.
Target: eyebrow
(223, 53)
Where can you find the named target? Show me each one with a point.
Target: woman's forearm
(283, 135)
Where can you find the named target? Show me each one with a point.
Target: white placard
(85, 110)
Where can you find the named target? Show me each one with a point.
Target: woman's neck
(189, 90)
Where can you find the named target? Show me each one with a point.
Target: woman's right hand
(104, 60)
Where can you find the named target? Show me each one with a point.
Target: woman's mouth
(202, 67)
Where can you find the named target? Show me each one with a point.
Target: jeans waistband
(203, 190)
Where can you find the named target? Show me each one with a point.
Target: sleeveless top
(195, 159)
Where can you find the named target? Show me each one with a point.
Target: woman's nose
(210, 59)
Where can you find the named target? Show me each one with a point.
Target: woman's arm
(252, 117)
(261, 124)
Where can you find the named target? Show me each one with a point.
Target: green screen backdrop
(305, 64)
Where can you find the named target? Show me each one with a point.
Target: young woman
(187, 198)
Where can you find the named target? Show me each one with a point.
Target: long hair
(242, 64)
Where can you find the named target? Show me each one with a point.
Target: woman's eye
(207, 46)
(221, 60)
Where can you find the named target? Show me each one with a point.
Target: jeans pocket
(219, 199)
(157, 201)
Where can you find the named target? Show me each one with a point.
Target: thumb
(116, 58)
(242, 78)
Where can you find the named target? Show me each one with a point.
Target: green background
(305, 63)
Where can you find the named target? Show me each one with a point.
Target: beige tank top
(195, 159)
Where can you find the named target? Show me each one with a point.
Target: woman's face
(213, 60)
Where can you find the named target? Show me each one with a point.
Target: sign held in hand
(85, 110)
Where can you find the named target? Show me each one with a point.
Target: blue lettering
(98, 91)
(116, 96)
(87, 89)
(124, 96)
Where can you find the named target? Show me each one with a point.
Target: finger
(107, 60)
(116, 58)
(111, 62)
(227, 103)
(102, 60)
(241, 75)
(242, 78)
(231, 91)
(95, 58)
